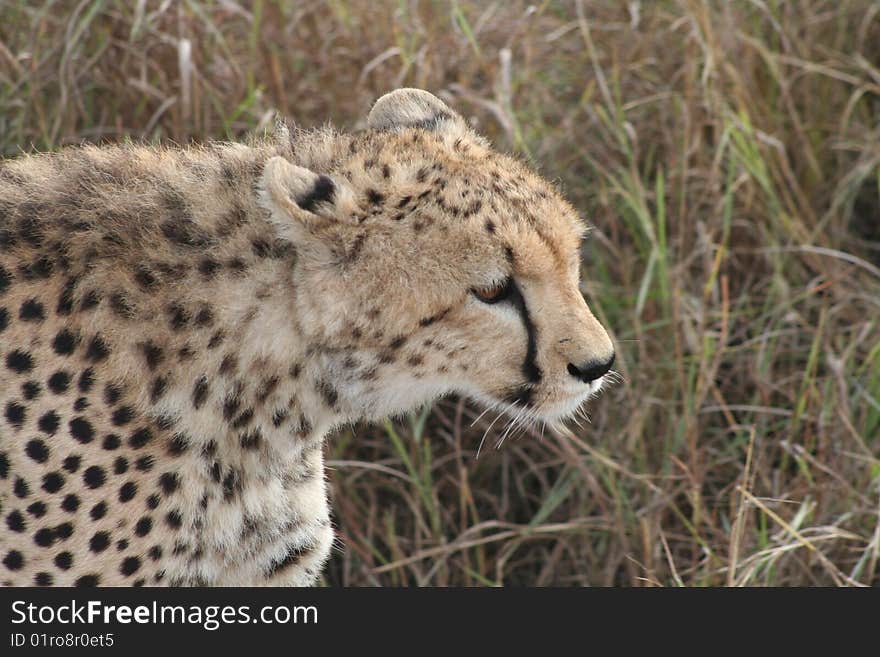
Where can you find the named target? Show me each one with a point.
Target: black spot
(185, 352)
(97, 349)
(41, 268)
(178, 444)
(140, 438)
(204, 317)
(143, 526)
(5, 279)
(155, 553)
(86, 380)
(174, 519)
(324, 191)
(94, 477)
(152, 353)
(120, 465)
(99, 510)
(4, 319)
(121, 305)
(208, 267)
(30, 390)
(251, 439)
(15, 521)
(216, 339)
(53, 482)
(112, 393)
(81, 429)
(37, 509)
(37, 450)
(64, 531)
(44, 537)
(71, 463)
(145, 463)
(43, 579)
(160, 385)
(231, 405)
(228, 364)
(122, 415)
(70, 503)
(64, 560)
(200, 392)
(244, 419)
(19, 361)
(237, 265)
(145, 279)
(90, 300)
(13, 560)
(127, 491)
(184, 232)
(21, 488)
(4, 465)
(178, 316)
(169, 481)
(153, 501)
(279, 417)
(111, 442)
(427, 321)
(65, 301)
(99, 542)
(231, 485)
(59, 382)
(490, 226)
(329, 393)
(398, 342)
(15, 414)
(49, 422)
(80, 404)
(375, 197)
(32, 311)
(89, 581)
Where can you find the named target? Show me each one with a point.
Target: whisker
(487, 409)
(507, 427)
(489, 428)
(523, 412)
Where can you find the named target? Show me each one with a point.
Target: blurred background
(727, 155)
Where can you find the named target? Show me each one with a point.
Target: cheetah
(181, 327)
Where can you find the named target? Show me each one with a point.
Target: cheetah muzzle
(181, 327)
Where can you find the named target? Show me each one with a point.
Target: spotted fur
(180, 328)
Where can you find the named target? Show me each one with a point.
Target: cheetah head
(431, 264)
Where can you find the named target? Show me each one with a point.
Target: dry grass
(728, 155)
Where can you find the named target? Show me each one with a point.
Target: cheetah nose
(591, 370)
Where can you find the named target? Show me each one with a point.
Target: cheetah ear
(298, 198)
(413, 108)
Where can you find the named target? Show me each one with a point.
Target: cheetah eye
(493, 293)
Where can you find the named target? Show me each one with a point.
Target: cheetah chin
(181, 327)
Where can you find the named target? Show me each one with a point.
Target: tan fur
(231, 304)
